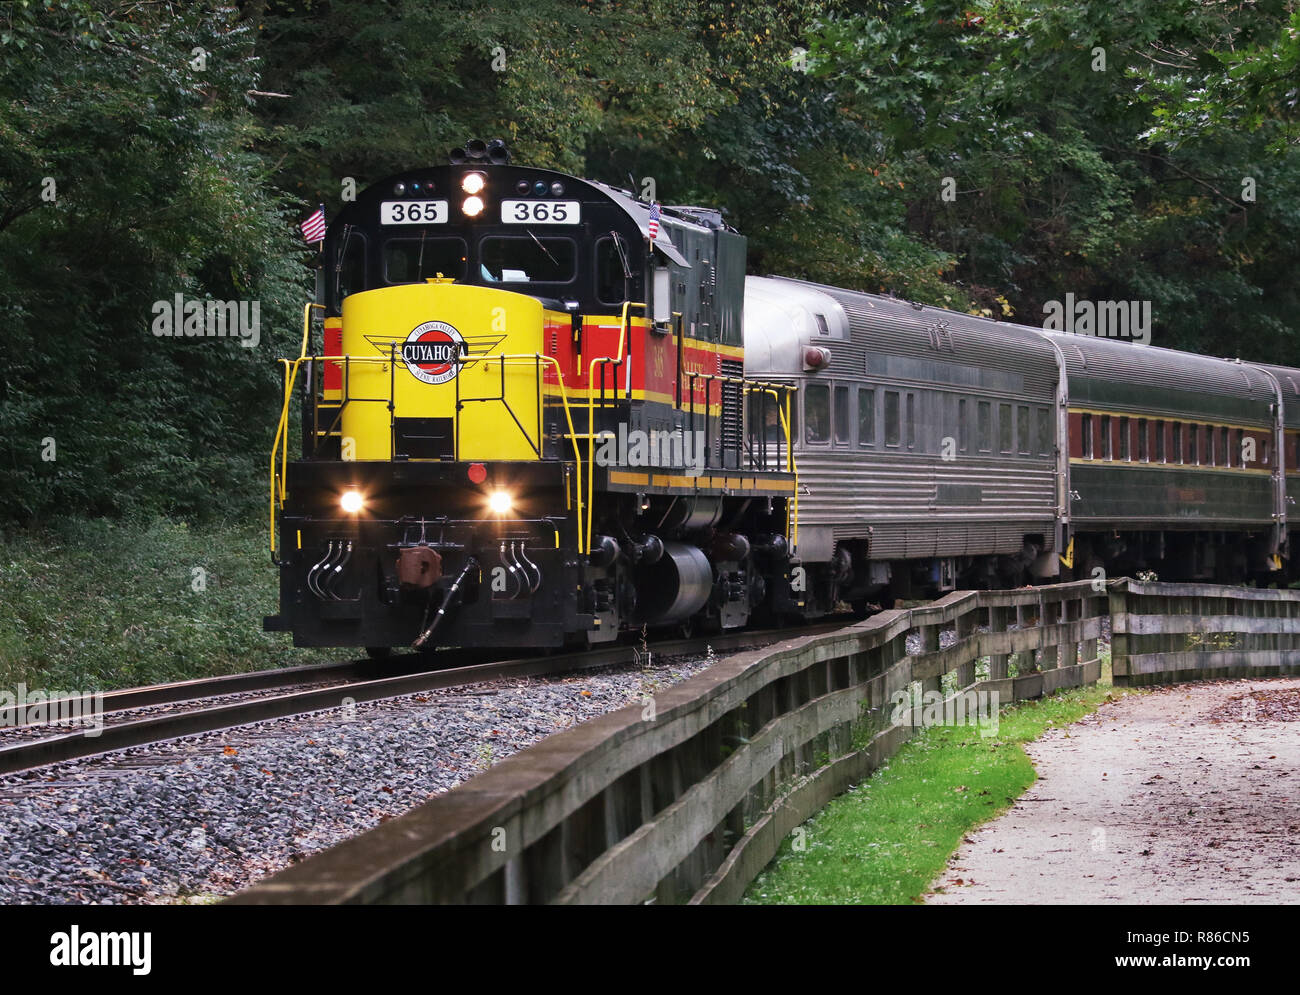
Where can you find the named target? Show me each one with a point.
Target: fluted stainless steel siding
(895, 499)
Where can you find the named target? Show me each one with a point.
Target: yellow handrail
(533, 357)
(282, 427)
(306, 326)
(792, 507)
(281, 433)
(591, 407)
(280, 448)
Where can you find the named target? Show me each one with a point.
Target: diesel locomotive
(540, 412)
(525, 424)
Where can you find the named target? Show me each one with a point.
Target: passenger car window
(893, 429)
(817, 412)
(866, 417)
(842, 414)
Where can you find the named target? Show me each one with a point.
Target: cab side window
(611, 277)
(350, 276)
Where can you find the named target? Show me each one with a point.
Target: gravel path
(203, 817)
(1186, 794)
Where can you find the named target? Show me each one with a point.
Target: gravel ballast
(200, 818)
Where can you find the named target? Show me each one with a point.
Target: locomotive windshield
(411, 260)
(513, 259)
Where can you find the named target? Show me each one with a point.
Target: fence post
(965, 627)
(1069, 646)
(1049, 613)
(930, 644)
(1120, 599)
(1027, 660)
(998, 618)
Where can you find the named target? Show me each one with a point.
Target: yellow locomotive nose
(455, 361)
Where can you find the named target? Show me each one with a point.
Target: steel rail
(174, 725)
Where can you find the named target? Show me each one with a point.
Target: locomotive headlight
(472, 182)
(352, 502)
(472, 207)
(499, 502)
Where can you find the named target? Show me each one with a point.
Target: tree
(139, 116)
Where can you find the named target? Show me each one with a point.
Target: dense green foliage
(157, 191)
(101, 605)
(184, 141)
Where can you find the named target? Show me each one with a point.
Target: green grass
(885, 840)
(97, 604)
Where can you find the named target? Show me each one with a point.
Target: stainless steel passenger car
(927, 439)
(936, 449)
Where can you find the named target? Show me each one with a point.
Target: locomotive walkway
(1186, 794)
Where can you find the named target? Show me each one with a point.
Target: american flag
(313, 229)
(654, 220)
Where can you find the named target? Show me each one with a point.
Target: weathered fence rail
(689, 803)
(1164, 633)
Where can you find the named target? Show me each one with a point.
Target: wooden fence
(687, 802)
(1165, 633)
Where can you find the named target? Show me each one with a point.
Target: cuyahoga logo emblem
(432, 352)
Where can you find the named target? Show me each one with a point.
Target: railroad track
(354, 681)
